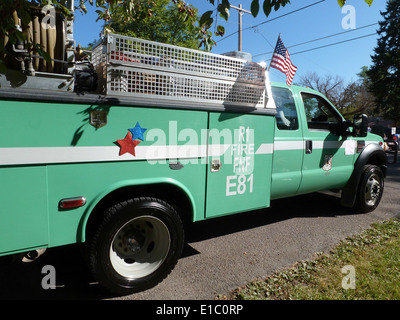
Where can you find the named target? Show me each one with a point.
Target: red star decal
(127, 145)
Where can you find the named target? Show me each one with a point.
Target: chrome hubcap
(372, 190)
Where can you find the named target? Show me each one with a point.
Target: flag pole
(274, 50)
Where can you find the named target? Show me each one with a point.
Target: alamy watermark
(349, 20)
(49, 280)
(349, 280)
(189, 146)
(49, 19)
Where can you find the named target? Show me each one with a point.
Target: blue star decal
(137, 132)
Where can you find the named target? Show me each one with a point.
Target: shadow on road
(73, 281)
(301, 206)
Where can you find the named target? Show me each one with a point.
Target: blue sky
(321, 19)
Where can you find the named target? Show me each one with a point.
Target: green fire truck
(120, 149)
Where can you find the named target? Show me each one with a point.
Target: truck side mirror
(360, 125)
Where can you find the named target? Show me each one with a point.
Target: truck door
(239, 162)
(328, 157)
(288, 145)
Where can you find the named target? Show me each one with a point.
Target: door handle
(308, 146)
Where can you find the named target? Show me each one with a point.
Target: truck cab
(315, 148)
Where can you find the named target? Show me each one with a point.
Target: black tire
(136, 246)
(370, 189)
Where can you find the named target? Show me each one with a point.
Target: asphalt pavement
(221, 254)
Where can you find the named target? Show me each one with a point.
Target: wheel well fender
(171, 191)
(370, 154)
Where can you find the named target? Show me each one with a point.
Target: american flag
(281, 61)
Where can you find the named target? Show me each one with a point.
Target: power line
(284, 15)
(318, 39)
(310, 41)
(333, 35)
(326, 37)
(336, 43)
(332, 44)
(258, 30)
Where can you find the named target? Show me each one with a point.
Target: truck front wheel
(136, 245)
(370, 189)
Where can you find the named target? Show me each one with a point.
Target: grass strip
(361, 267)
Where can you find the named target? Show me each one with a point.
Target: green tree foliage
(360, 98)
(384, 74)
(165, 24)
(343, 2)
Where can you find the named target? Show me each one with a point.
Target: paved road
(221, 254)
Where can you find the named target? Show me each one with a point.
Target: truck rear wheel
(370, 189)
(136, 245)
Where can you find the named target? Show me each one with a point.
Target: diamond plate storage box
(139, 68)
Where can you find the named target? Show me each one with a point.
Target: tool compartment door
(23, 187)
(23, 212)
(239, 162)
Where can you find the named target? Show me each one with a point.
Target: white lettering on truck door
(242, 152)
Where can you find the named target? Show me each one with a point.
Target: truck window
(286, 118)
(319, 113)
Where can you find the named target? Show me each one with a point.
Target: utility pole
(241, 12)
